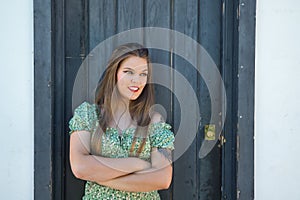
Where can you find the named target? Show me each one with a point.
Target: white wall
(277, 98)
(16, 102)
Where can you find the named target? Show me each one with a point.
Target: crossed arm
(127, 174)
(157, 177)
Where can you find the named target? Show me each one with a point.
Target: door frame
(245, 99)
(43, 92)
(239, 56)
(49, 111)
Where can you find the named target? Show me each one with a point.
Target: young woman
(121, 148)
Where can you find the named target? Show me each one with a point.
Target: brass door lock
(210, 132)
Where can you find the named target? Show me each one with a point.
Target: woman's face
(132, 77)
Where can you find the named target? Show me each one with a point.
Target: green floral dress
(113, 146)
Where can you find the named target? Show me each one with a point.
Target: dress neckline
(115, 130)
(129, 129)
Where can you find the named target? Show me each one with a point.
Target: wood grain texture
(185, 168)
(209, 172)
(42, 100)
(158, 14)
(89, 24)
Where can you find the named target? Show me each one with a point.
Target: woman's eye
(144, 74)
(128, 72)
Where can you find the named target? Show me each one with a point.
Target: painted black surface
(78, 26)
(229, 62)
(193, 178)
(245, 130)
(185, 168)
(59, 129)
(76, 48)
(210, 17)
(43, 92)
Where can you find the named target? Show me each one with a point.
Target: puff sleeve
(161, 136)
(84, 118)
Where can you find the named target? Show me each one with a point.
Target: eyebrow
(133, 69)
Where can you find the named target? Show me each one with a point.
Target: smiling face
(132, 77)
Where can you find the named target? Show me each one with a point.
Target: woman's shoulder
(86, 108)
(160, 132)
(84, 117)
(86, 111)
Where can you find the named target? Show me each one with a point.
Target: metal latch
(222, 141)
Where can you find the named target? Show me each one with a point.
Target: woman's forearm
(143, 181)
(97, 168)
(158, 177)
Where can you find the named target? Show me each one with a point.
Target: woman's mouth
(133, 88)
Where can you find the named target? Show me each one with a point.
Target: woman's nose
(135, 79)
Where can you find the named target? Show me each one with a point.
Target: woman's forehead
(135, 63)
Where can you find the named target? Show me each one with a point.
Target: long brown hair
(139, 109)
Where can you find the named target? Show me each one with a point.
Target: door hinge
(238, 194)
(222, 141)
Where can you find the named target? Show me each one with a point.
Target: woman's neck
(120, 106)
(121, 115)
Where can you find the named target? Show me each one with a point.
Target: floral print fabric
(114, 146)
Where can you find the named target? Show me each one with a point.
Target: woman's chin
(134, 98)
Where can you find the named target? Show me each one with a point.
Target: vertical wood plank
(74, 187)
(75, 52)
(76, 42)
(210, 16)
(229, 65)
(102, 25)
(245, 130)
(102, 21)
(158, 14)
(75, 29)
(185, 168)
(59, 129)
(43, 91)
(130, 16)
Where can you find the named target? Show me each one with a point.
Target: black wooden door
(88, 23)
